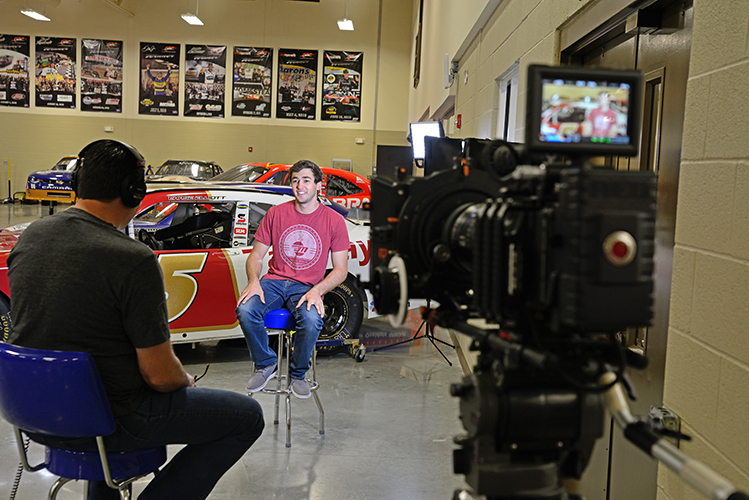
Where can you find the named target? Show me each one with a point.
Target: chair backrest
(57, 393)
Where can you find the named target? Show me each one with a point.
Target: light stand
(427, 335)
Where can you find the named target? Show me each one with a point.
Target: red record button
(619, 248)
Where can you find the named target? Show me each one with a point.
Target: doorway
(655, 38)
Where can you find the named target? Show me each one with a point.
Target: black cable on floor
(17, 481)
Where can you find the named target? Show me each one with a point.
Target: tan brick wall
(707, 367)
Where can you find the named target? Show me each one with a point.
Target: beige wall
(707, 368)
(35, 138)
(707, 371)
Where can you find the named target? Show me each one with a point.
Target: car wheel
(344, 313)
(5, 323)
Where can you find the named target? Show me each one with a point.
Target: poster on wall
(101, 75)
(341, 87)
(55, 72)
(253, 81)
(205, 80)
(159, 79)
(297, 80)
(14, 70)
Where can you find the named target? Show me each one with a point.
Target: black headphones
(133, 188)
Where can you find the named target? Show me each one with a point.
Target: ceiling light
(345, 24)
(192, 19)
(34, 14)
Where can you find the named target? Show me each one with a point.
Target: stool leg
(279, 360)
(288, 393)
(55, 489)
(317, 398)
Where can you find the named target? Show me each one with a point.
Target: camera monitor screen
(419, 130)
(592, 112)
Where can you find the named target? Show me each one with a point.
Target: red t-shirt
(602, 122)
(301, 242)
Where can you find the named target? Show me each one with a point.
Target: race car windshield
(190, 169)
(247, 173)
(65, 164)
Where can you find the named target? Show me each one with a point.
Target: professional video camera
(553, 255)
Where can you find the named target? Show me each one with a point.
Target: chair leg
(55, 489)
(288, 392)
(317, 398)
(279, 358)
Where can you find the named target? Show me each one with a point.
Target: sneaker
(300, 388)
(261, 377)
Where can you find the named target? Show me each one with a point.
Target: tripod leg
(415, 337)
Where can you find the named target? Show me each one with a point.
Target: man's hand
(253, 288)
(312, 298)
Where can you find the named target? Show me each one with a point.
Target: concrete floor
(389, 423)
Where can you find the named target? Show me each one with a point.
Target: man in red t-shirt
(601, 121)
(302, 233)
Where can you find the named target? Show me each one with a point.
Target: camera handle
(694, 473)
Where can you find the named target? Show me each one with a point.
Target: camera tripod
(427, 335)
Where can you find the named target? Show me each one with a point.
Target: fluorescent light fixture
(345, 24)
(192, 19)
(34, 14)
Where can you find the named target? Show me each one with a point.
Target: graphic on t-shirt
(301, 247)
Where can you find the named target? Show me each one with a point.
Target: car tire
(344, 313)
(5, 323)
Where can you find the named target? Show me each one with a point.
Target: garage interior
(390, 419)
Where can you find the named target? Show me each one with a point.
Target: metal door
(654, 37)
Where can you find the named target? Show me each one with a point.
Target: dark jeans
(217, 426)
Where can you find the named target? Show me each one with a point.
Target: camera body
(556, 254)
(567, 246)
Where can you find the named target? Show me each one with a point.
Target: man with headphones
(79, 284)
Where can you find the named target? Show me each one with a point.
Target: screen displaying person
(303, 233)
(601, 121)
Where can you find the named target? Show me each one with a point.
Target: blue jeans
(278, 294)
(217, 426)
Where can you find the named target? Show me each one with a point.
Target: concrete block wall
(707, 365)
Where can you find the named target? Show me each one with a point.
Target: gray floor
(389, 423)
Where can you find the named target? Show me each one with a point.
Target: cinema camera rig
(558, 256)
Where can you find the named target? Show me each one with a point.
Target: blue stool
(280, 322)
(59, 393)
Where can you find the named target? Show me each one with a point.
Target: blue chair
(59, 393)
(280, 322)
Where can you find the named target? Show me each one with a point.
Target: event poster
(253, 81)
(55, 72)
(101, 75)
(297, 80)
(159, 79)
(14, 70)
(205, 80)
(341, 86)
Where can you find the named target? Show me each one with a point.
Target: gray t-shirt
(78, 284)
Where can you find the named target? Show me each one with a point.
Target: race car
(202, 236)
(333, 97)
(343, 187)
(53, 184)
(185, 170)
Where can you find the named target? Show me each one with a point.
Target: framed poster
(297, 81)
(55, 72)
(159, 79)
(14, 70)
(205, 80)
(101, 75)
(342, 72)
(253, 81)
